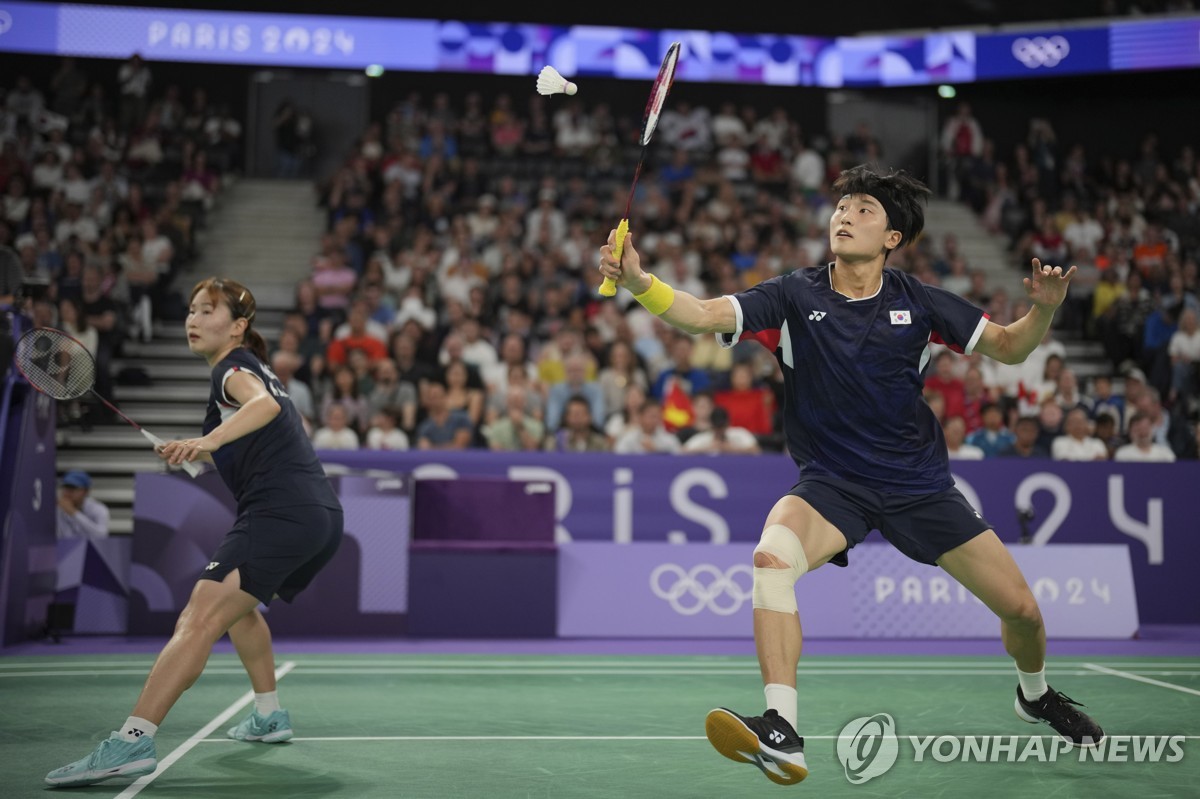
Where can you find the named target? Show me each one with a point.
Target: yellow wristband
(658, 298)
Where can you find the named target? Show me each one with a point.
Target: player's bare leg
(986, 568)
(267, 722)
(770, 741)
(211, 611)
(251, 638)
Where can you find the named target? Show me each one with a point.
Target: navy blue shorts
(278, 551)
(922, 526)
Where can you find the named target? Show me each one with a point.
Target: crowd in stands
(106, 178)
(452, 300)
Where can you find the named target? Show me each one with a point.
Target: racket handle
(609, 287)
(188, 466)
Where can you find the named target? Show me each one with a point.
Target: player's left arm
(1046, 289)
(256, 409)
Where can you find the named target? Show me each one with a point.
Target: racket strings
(56, 364)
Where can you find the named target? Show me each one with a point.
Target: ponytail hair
(241, 304)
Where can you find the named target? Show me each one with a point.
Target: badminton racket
(654, 106)
(59, 366)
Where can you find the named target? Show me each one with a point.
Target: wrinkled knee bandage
(775, 589)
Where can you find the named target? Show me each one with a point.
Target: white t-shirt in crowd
(393, 439)
(1133, 453)
(335, 439)
(738, 437)
(1068, 448)
(965, 452)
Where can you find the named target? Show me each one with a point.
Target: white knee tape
(775, 589)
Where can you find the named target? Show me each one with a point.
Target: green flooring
(562, 727)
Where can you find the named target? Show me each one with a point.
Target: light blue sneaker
(273, 729)
(112, 758)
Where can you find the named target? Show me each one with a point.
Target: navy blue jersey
(274, 466)
(853, 373)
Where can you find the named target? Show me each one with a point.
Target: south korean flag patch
(901, 317)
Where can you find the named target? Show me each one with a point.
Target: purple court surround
(1152, 641)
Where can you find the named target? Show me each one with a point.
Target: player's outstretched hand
(628, 273)
(1047, 286)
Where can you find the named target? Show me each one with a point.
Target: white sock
(1033, 685)
(782, 699)
(266, 703)
(135, 728)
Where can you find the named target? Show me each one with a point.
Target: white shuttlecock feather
(550, 82)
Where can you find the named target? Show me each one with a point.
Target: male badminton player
(289, 525)
(852, 338)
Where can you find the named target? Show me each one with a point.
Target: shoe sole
(1024, 715)
(137, 768)
(732, 738)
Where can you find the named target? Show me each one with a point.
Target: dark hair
(241, 305)
(898, 192)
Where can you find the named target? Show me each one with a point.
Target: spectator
(516, 430)
(1067, 393)
(647, 434)
(285, 364)
(578, 432)
(575, 384)
(442, 428)
(946, 382)
(391, 392)
(134, 79)
(749, 406)
(1104, 402)
(1142, 446)
(1184, 351)
(992, 438)
(955, 432)
(1077, 443)
(385, 433)
(345, 392)
(1025, 440)
(1050, 420)
(723, 439)
(961, 143)
(337, 433)
(464, 391)
(1105, 429)
(621, 370)
(356, 336)
(80, 515)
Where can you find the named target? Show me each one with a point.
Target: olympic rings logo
(1041, 51)
(703, 586)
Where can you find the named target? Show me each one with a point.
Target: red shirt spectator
(749, 406)
(946, 383)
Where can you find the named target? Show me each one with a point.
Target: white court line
(1006, 672)
(197, 737)
(142, 671)
(1138, 678)
(369, 738)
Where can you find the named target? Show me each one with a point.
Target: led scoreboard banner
(267, 39)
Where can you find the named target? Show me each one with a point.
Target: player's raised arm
(1046, 288)
(677, 308)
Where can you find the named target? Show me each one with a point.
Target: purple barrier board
(179, 522)
(703, 591)
(94, 577)
(1152, 508)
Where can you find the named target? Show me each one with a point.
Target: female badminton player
(289, 525)
(852, 340)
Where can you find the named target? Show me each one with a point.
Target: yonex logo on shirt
(901, 317)
(817, 316)
(212, 566)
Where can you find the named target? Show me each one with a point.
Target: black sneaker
(1059, 711)
(767, 741)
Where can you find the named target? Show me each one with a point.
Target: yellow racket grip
(609, 287)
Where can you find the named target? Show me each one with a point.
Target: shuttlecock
(550, 82)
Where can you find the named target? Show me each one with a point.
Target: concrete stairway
(988, 252)
(262, 233)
